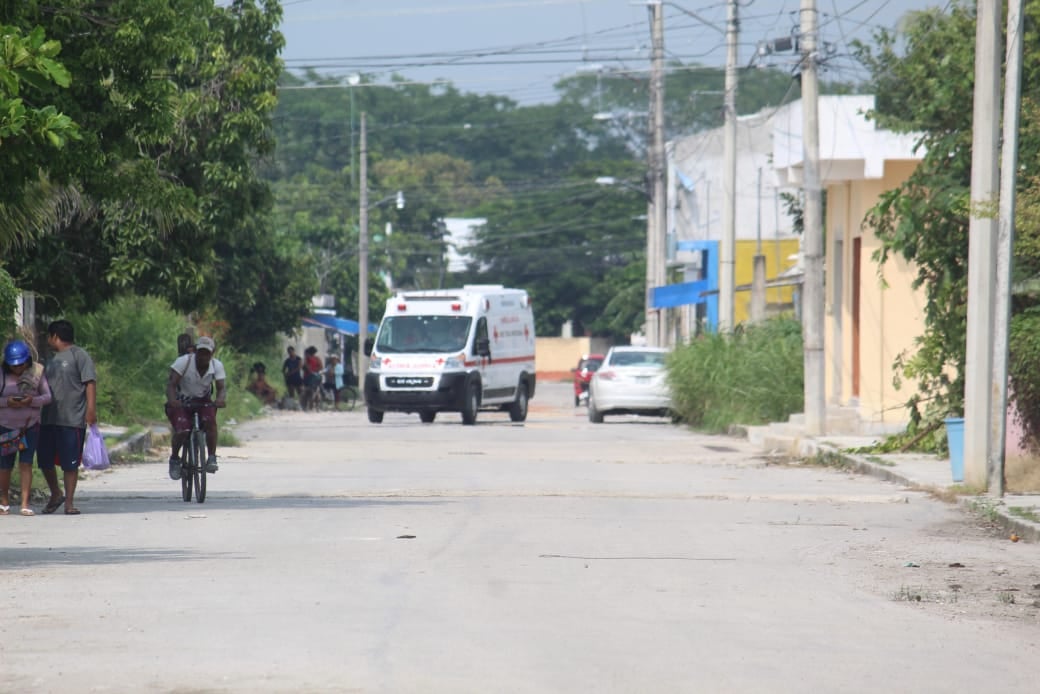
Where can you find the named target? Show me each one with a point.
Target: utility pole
(982, 240)
(1005, 248)
(812, 242)
(657, 210)
(363, 256)
(728, 247)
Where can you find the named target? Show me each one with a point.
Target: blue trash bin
(955, 440)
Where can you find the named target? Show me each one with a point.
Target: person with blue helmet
(24, 390)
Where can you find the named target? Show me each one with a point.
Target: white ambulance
(453, 350)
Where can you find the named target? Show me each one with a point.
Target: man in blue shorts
(73, 380)
(192, 377)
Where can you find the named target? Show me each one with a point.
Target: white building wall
(696, 184)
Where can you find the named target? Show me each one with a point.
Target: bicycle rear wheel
(348, 397)
(198, 445)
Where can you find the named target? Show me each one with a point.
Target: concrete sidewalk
(917, 471)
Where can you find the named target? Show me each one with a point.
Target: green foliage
(1024, 355)
(8, 302)
(133, 341)
(752, 376)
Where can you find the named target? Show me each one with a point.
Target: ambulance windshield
(423, 334)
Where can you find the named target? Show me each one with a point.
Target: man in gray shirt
(64, 422)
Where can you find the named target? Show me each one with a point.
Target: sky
(520, 48)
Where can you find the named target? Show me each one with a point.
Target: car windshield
(423, 334)
(634, 358)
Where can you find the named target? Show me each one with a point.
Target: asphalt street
(334, 555)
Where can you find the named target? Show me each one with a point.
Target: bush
(133, 341)
(1023, 356)
(751, 376)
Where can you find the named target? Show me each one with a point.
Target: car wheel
(595, 416)
(427, 417)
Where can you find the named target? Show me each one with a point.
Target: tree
(174, 99)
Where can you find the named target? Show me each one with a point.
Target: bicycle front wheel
(198, 446)
(186, 477)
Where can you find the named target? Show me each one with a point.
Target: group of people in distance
(305, 375)
(44, 412)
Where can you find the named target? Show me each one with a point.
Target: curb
(135, 445)
(993, 509)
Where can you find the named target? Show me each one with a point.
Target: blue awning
(341, 325)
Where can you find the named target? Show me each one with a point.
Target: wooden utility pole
(1005, 248)
(812, 242)
(982, 241)
(362, 256)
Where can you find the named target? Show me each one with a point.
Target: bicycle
(193, 460)
(325, 400)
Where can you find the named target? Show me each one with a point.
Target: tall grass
(751, 376)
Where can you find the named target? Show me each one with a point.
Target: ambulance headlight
(374, 363)
(455, 363)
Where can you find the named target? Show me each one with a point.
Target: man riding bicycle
(188, 389)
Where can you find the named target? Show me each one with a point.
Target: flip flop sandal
(27, 512)
(4, 510)
(72, 512)
(53, 505)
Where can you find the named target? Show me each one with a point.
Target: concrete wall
(554, 357)
(776, 252)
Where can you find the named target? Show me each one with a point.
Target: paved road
(555, 556)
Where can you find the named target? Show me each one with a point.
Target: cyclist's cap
(205, 343)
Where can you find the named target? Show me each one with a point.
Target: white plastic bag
(95, 455)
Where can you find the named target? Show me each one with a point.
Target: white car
(631, 380)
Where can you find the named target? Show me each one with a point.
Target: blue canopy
(342, 325)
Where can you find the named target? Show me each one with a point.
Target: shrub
(1023, 356)
(751, 376)
(133, 341)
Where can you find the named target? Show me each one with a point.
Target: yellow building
(872, 313)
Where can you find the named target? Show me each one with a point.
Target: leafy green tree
(174, 99)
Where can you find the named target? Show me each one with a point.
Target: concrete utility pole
(982, 241)
(363, 256)
(812, 242)
(657, 210)
(728, 247)
(1005, 248)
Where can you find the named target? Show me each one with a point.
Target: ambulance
(453, 350)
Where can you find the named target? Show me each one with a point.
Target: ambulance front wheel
(471, 403)
(518, 410)
(375, 416)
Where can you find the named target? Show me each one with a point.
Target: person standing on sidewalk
(23, 393)
(73, 380)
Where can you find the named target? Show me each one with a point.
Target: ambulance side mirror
(369, 342)
(483, 347)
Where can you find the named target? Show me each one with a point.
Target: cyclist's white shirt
(192, 385)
